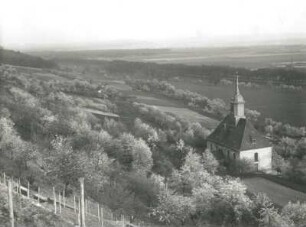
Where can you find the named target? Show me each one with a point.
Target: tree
(146, 132)
(13, 146)
(134, 153)
(296, 212)
(64, 163)
(113, 127)
(232, 205)
(286, 147)
(279, 163)
(210, 163)
(269, 217)
(173, 208)
(204, 197)
(241, 166)
(266, 214)
(142, 156)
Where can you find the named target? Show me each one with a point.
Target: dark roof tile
(242, 136)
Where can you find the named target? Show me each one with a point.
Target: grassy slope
(279, 194)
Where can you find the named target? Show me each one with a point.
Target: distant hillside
(21, 59)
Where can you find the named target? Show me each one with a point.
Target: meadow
(287, 106)
(280, 195)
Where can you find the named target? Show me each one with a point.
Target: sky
(42, 23)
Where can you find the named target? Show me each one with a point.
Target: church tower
(236, 138)
(237, 103)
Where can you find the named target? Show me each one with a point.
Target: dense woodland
(149, 164)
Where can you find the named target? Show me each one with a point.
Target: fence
(69, 208)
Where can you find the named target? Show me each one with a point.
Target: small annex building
(236, 138)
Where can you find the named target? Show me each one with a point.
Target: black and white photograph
(153, 113)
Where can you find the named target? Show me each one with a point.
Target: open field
(288, 106)
(154, 101)
(279, 194)
(118, 84)
(190, 115)
(173, 107)
(249, 57)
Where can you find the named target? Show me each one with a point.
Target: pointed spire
(237, 103)
(237, 92)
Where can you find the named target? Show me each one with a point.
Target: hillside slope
(17, 58)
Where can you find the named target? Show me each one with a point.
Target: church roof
(238, 137)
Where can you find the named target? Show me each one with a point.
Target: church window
(256, 157)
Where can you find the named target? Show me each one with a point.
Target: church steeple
(237, 103)
(237, 92)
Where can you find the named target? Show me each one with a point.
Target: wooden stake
(82, 203)
(64, 199)
(74, 205)
(86, 206)
(54, 200)
(99, 212)
(19, 187)
(102, 218)
(19, 193)
(59, 202)
(123, 225)
(15, 184)
(79, 213)
(10, 198)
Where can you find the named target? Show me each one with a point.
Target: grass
(156, 101)
(190, 115)
(178, 109)
(278, 193)
(282, 181)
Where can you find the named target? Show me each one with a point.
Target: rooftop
(238, 137)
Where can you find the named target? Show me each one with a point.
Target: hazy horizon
(72, 25)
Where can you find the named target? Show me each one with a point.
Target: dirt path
(279, 194)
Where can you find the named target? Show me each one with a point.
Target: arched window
(256, 157)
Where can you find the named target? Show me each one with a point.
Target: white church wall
(264, 157)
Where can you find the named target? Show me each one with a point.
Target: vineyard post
(99, 212)
(59, 202)
(54, 200)
(82, 203)
(102, 217)
(74, 205)
(10, 197)
(64, 199)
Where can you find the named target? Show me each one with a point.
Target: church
(236, 138)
